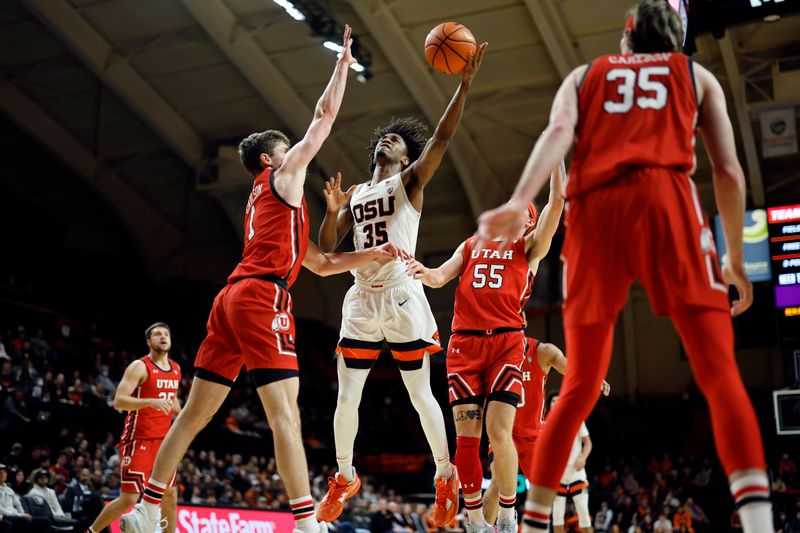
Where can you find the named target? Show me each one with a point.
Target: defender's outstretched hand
(504, 223)
(347, 41)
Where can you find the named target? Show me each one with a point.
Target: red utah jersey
(149, 423)
(635, 110)
(275, 235)
(530, 410)
(493, 287)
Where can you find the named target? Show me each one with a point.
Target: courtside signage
(193, 519)
(756, 244)
(784, 250)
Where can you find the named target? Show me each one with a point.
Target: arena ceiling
(144, 99)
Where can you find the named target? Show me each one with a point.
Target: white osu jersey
(381, 213)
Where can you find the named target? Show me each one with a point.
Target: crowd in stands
(78, 467)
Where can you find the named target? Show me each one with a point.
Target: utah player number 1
(252, 229)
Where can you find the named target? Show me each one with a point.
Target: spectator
(682, 521)
(39, 345)
(82, 501)
(63, 476)
(18, 482)
(603, 518)
(662, 525)
(49, 495)
(7, 378)
(787, 467)
(3, 353)
(699, 518)
(381, 521)
(15, 412)
(10, 506)
(14, 458)
(397, 520)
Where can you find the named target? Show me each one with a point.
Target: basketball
(448, 47)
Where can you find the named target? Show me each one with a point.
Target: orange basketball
(448, 47)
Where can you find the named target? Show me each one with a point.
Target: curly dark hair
(410, 129)
(255, 144)
(657, 28)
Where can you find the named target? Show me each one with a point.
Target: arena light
(293, 12)
(324, 26)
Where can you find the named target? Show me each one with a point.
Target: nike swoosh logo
(404, 301)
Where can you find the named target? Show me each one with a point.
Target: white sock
(345, 418)
(307, 525)
(756, 517)
(537, 517)
(507, 504)
(152, 509)
(443, 467)
(304, 516)
(418, 385)
(751, 493)
(347, 472)
(474, 508)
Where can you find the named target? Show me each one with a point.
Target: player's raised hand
(347, 41)
(605, 388)
(334, 197)
(736, 276)
(474, 63)
(502, 223)
(161, 404)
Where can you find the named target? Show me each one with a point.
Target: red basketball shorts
(250, 324)
(485, 368)
(647, 225)
(136, 464)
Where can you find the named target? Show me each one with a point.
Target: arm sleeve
(583, 431)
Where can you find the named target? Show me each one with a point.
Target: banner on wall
(778, 132)
(197, 519)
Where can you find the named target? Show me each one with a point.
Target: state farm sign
(217, 520)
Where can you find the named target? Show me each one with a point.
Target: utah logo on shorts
(281, 322)
(126, 461)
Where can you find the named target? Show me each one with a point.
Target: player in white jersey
(385, 304)
(574, 482)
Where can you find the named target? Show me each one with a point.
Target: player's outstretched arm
(729, 187)
(537, 244)
(328, 264)
(419, 173)
(550, 356)
(506, 221)
(440, 276)
(338, 217)
(134, 376)
(290, 177)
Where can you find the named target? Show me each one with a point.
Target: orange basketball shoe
(339, 490)
(446, 505)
